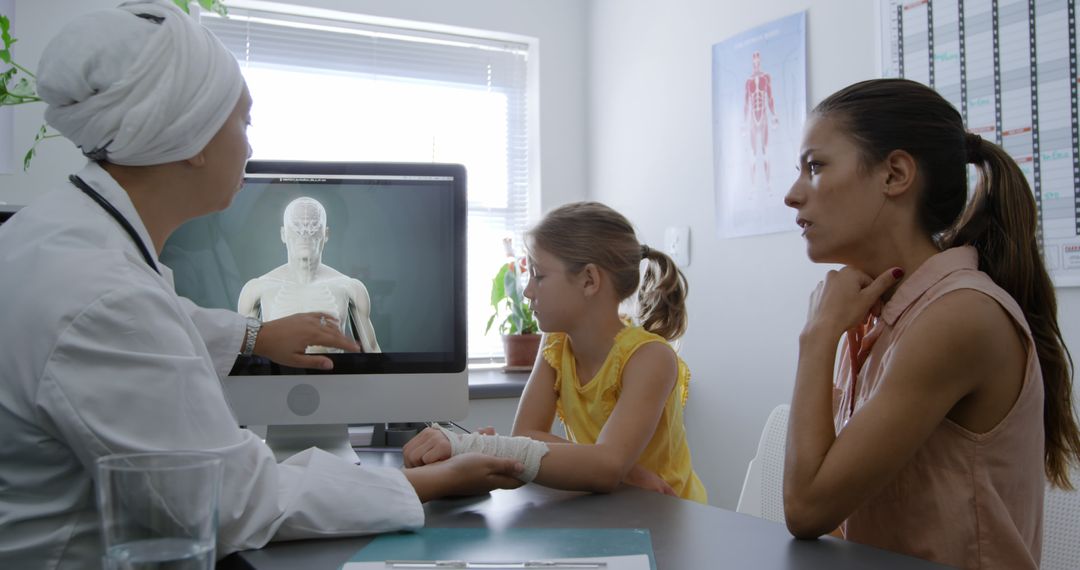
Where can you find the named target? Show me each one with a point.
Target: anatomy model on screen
(304, 284)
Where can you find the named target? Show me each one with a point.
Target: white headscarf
(140, 84)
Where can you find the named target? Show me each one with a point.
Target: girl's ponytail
(662, 295)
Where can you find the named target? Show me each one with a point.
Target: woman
(99, 355)
(952, 404)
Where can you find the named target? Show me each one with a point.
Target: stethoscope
(112, 211)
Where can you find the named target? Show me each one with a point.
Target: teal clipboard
(507, 544)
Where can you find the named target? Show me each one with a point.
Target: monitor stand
(288, 440)
(395, 434)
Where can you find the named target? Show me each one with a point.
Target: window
(337, 89)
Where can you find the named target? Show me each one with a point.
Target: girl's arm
(648, 379)
(536, 412)
(958, 343)
(536, 409)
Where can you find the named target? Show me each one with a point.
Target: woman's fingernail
(327, 365)
(898, 273)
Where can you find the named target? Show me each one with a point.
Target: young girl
(952, 405)
(619, 389)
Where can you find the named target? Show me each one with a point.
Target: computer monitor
(6, 211)
(393, 231)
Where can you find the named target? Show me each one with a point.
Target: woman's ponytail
(1000, 222)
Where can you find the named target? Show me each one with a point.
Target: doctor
(99, 355)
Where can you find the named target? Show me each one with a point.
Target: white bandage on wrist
(527, 451)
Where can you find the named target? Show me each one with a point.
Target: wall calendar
(1010, 68)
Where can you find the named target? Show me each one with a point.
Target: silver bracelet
(251, 332)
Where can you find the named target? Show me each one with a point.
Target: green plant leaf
(42, 134)
(509, 302)
(510, 286)
(5, 29)
(5, 35)
(5, 77)
(215, 6)
(519, 313)
(23, 88)
(498, 287)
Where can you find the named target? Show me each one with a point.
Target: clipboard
(508, 544)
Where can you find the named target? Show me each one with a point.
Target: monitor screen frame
(377, 388)
(7, 211)
(384, 362)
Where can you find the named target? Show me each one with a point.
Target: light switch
(677, 244)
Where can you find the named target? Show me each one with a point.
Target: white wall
(625, 112)
(558, 26)
(650, 157)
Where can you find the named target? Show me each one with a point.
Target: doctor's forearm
(426, 482)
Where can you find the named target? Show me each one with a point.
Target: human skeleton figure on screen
(304, 284)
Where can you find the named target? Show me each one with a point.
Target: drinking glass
(158, 510)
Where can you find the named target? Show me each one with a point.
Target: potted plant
(18, 85)
(520, 333)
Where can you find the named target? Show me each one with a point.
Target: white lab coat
(99, 355)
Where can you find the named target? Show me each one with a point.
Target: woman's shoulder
(955, 269)
(972, 316)
(971, 296)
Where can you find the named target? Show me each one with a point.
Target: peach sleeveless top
(966, 499)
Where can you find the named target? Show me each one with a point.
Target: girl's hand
(642, 477)
(429, 446)
(845, 299)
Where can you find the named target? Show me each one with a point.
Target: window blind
(296, 63)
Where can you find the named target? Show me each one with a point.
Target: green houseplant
(520, 332)
(18, 84)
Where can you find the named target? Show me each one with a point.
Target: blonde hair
(581, 233)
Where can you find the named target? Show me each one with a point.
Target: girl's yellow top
(585, 408)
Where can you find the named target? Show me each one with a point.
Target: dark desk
(685, 535)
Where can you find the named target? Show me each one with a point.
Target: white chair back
(1061, 527)
(763, 489)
